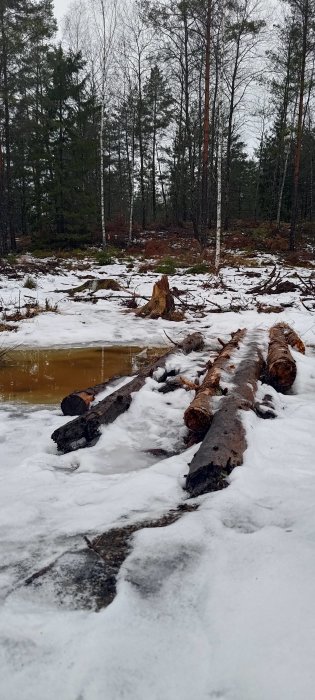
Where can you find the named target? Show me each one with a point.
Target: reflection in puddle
(41, 376)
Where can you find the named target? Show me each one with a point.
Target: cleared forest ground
(205, 602)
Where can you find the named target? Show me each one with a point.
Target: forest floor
(217, 603)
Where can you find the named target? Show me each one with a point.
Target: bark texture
(224, 445)
(199, 414)
(292, 338)
(281, 367)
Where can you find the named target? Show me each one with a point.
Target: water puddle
(42, 376)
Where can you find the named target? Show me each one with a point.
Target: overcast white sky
(61, 7)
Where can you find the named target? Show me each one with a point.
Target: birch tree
(105, 23)
(220, 136)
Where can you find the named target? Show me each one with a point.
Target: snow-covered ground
(218, 605)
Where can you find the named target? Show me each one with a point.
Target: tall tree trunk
(132, 180)
(153, 161)
(188, 125)
(109, 176)
(285, 169)
(141, 147)
(220, 141)
(7, 135)
(259, 169)
(298, 145)
(205, 145)
(161, 180)
(229, 134)
(3, 211)
(104, 241)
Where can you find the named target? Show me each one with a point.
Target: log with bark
(79, 402)
(199, 414)
(281, 366)
(161, 304)
(85, 429)
(225, 442)
(292, 338)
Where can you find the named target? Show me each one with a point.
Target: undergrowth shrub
(30, 283)
(166, 266)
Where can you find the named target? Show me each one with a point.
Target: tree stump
(161, 304)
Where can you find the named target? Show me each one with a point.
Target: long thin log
(199, 414)
(224, 445)
(84, 430)
(281, 367)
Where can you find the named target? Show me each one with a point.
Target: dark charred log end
(266, 415)
(74, 405)
(206, 480)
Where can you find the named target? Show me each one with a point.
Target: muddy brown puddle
(42, 376)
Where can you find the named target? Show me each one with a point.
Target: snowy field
(219, 604)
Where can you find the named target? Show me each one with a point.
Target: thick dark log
(224, 445)
(199, 414)
(84, 430)
(79, 402)
(281, 367)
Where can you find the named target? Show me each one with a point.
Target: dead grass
(5, 327)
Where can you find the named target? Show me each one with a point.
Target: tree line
(154, 112)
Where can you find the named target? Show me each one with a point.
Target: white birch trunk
(286, 163)
(107, 33)
(102, 173)
(132, 198)
(132, 180)
(220, 145)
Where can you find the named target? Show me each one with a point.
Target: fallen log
(225, 442)
(79, 402)
(281, 367)
(161, 304)
(292, 338)
(199, 414)
(85, 429)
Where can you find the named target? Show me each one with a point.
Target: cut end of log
(281, 366)
(76, 404)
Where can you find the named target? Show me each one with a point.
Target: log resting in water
(199, 414)
(224, 445)
(79, 402)
(84, 430)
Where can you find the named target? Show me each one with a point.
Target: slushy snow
(218, 605)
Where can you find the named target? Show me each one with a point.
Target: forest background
(156, 114)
